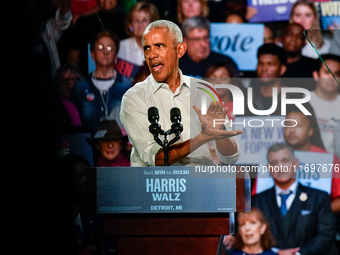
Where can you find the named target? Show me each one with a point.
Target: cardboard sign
(258, 133)
(239, 41)
(314, 171)
(271, 10)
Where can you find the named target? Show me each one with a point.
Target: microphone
(175, 117)
(153, 117)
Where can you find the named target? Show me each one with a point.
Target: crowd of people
(109, 33)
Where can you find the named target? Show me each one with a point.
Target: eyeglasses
(140, 22)
(101, 47)
(198, 39)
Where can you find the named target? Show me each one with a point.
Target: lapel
(295, 209)
(274, 210)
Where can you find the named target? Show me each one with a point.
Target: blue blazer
(308, 224)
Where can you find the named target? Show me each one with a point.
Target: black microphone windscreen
(175, 113)
(153, 114)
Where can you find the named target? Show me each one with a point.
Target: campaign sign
(162, 190)
(271, 10)
(259, 132)
(329, 12)
(314, 171)
(238, 41)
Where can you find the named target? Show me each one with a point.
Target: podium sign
(164, 190)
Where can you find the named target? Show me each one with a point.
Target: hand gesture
(211, 128)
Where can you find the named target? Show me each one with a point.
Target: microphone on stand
(155, 129)
(175, 117)
(153, 117)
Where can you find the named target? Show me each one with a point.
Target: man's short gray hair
(172, 27)
(195, 22)
(280, 146)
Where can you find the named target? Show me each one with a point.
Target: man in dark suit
(300, 218)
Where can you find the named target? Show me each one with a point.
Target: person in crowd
(66, 76)
(300, 218)
(271, 65)
(305, 136)
(110, 144)
(268, 34)
(236, 10)
(325, 100)
(142, 73)
(335, 44)
(83, 8)
(51, 31)
(98, 96)
(224, 73)
(165, 88)
(253, 236)
(298, 66)
(191, 8)
(196, 34)
(234, 18)
(74, 207)
(109, 17)
(304, 13)
(139, 16)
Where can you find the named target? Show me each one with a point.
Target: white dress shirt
(290, 199)
(134, 116)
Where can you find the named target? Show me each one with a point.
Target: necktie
(283, 207)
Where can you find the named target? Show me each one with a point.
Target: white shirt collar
(156, 85)
(292, 188)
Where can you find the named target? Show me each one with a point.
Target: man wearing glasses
(196, 35)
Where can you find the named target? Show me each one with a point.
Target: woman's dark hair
(267, 241)
(315, 139)
(233, 71)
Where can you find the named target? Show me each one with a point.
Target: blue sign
(271, 10)
(239, 41)
(329, 13)
(164, 190)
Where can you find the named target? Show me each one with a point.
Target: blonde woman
(304, 13)
(191, 8)
(138, 18)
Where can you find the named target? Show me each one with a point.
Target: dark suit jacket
(309, 225)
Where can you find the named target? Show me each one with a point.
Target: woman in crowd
(108, 17)
(110, 143)
(66, 76)
(191, 8)
(138, 18)
(304, 13)
(253, 235)
(224, 73)
(99, 95)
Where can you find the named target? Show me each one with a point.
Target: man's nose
(153, 53)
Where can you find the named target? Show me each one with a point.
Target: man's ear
(316, 76)
(283, 69)
(181, 49)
